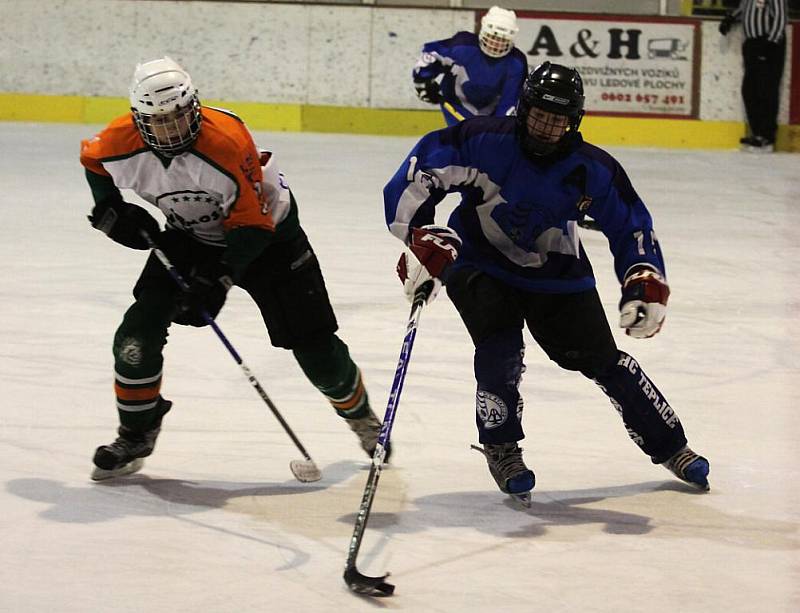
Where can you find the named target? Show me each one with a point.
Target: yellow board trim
(626, 131)
(355, 120)
(259, 116)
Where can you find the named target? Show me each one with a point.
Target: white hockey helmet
(165, 106)
(498, 29)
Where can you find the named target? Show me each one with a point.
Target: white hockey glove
(643, 306)
(431, 251)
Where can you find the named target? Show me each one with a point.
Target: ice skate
(757, 144)
(509, 471)
(367, 428)
(125, 455)
(689, 467)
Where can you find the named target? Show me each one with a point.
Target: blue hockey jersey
(472, 83)
(518, 218)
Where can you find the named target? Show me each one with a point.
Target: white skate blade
(524, 499)
(100, 474)
(697, 486)
(305, 471)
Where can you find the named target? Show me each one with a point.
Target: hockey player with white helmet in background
(524, 182)
(231, 219)
(471, 75)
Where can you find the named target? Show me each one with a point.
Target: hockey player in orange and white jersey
(231, 219)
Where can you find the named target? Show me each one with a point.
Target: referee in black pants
(764, 52)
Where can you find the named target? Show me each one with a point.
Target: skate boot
(125, 455)
(757, 144)
(509, 470)
(367, 428)
(689, 467)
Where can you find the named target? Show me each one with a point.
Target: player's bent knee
(590, 364)
(499, 359)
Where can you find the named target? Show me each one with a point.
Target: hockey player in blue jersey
(472, 75)
(525, 181)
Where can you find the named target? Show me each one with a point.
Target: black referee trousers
(763, 67)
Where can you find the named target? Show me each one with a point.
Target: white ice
(215, 522)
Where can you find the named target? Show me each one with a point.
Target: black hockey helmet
(556, 89)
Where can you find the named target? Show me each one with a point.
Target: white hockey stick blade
(305, 470)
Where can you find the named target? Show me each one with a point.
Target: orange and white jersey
(215, 186)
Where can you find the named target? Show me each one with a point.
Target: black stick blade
(369, 586)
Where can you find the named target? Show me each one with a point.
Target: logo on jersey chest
(189, 208)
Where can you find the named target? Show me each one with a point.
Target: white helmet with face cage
(498, 29)
(165, 106)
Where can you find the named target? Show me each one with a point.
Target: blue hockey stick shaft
(400, 372)
(363, 584)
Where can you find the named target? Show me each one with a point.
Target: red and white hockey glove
(643, 306)
(431, 251)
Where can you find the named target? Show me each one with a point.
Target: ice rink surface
(215, 521)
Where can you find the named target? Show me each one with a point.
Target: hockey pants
(287, 285)
(573, 331)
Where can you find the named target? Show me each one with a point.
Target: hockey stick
(451, 109)
(357, 582)
(303, 470)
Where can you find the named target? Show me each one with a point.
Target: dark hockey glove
(207, 292)
(428, 91)
(726, 24)
(643, 306)
(423, 267)
(124, 223)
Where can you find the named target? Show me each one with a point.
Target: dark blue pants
(573, 331)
